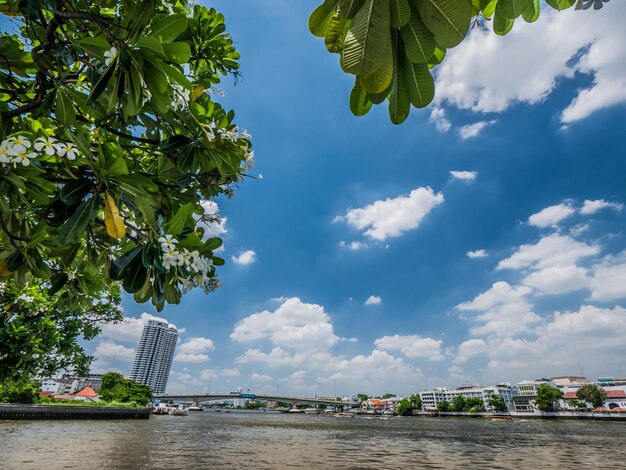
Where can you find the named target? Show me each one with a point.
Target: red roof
(45, 394)
(601, 410)
(615, 394)
(569, 395)
(618, 410)
(87, 392)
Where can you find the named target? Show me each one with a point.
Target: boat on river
(180, 411)
(195, 408)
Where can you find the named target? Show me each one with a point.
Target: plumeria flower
(170, 258)
(24, 158)
(41, 143)
(110, 55)
(66, 149)
(168, 243)
(19, 140)
(5, 154)
(184, 257)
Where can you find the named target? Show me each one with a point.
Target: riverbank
(9, 411)
(568, 415)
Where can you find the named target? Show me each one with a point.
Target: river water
(252, 440)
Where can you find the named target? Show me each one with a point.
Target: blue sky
(351, 209)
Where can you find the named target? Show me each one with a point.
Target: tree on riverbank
(112, 146)
(12, 391)
(444, 406)
(404, 408)
(39, 332)
(416, 401)
(497, 403)
(591, 393)
(546, 397)
(391, 46)
(117, 388)
(458, 403)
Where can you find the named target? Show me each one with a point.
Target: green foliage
(117, 388)
(416, 401)
(497, 403)
(546, 396)
(111, 140)
(391, 45)
(474, 405)
(577, 404)
(458, 403)
(19, 392)
(444, 406)
(404, 408)
(388, 395)
(591, 393)
(362, 397)
(39, 334)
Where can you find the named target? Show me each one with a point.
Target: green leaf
(501, 25)
(182, 219)
(64, 108)
(96, 46)
(319, 19)
(73, 228)
(121, 266)
(177, 52)
(367, 49)
(419, 42)
(377, 98)
(399, 104)
(531, 14)
(213, 243)
(101, 84)
(167, 27)
(489, 8)
(400, 13)
(448, 20)
(511, 9)
(175, 74)
(217, 261)
(75, 191)
(337, 29)
(135, 278)
(360, 103)
(151, 44)
(560, 4)
(419, 84)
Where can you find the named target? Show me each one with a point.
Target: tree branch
(130, 136)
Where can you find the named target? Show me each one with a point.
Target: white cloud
(294, 324)
(393, 216)
(354, 246)
(489, 73)
(230, 372)
(373, 300)
(558, 279)
(609, 279)
(196, 345)
(210, 221)
(503, 310)
(464, 175)
(592, 336)
(438, 118)
(245, 258)
(473, 130)
(591, 207)
(191, 357)
(551, 250)
(551, 216)
(469, 349)
(477, 254)
(194, 349)
(412, 346)
(260, 377)
(110, 350)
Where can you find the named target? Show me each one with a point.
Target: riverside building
(154, 354)
(432, 398)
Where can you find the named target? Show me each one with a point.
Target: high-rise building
(154, 354)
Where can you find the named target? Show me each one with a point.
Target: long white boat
(180, 411)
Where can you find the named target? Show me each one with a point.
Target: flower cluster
(198, 266)
(19, 149)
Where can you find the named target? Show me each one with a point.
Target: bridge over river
(294, 401)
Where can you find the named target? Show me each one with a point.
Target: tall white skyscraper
(154, 355)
